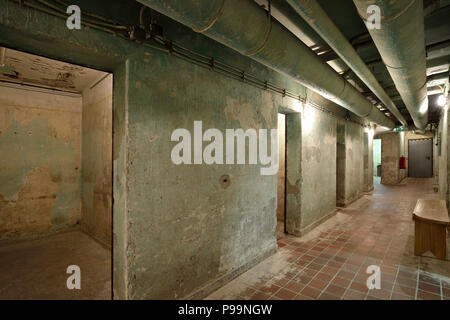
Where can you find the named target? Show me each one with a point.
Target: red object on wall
(402, 163)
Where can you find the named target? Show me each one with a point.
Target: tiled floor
(331, 261)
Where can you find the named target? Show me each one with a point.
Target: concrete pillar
(293, 172)
(392, 148)
(443, 156)
(310, 169)
(349, 162)
(368, 160)
(281, 177)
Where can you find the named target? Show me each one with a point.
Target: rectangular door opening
(55, 179)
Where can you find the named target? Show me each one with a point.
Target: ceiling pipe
(436, 56)
(400, 41)
(318, 19)
(247, 28)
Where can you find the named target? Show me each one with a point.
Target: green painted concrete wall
(39, 162)
(354, 179)
(353, 156)
(443, 152)
(368, 159)
(392, 148)
(341, 167)
(318, 188)
(177, 232)
(188, 230)
(293, 173)
(96, 186)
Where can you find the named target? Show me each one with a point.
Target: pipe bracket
(213, 21)
(258, 49)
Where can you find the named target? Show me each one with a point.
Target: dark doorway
(420, 158)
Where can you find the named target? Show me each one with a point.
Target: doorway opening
(377, 158)
(281, 177)
(55, 179)
(420, 158)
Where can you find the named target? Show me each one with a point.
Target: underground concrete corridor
(224, 149)
(332, 260)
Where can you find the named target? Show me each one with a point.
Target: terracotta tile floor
(331, 261)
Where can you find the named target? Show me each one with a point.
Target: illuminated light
(424, 106)
(308, 118)
(297, 106)
(370, 131)
(441, 101)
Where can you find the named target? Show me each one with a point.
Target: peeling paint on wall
(39, 163)
(96, 218)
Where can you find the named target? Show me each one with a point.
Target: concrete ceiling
(346, 18)
(25, 68)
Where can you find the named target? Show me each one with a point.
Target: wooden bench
(431, 221)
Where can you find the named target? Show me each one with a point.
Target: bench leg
(420, 245)
(430, 237)
(438, 240)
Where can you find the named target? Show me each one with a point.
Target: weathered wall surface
(39, 162)
(293, 173)
(392, 147)
(188, 227)
(318, 183)
(341, 161)
(120, 184)
(351, 162)
(281, 167)
(443, 155)
(368, 160)
(96, 185)
(354, 173)
(181, 228)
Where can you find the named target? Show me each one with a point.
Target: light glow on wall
(424, 106)
(441, 100)
(308, 118)
(297, 106)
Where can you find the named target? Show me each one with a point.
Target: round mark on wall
(225, 181)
